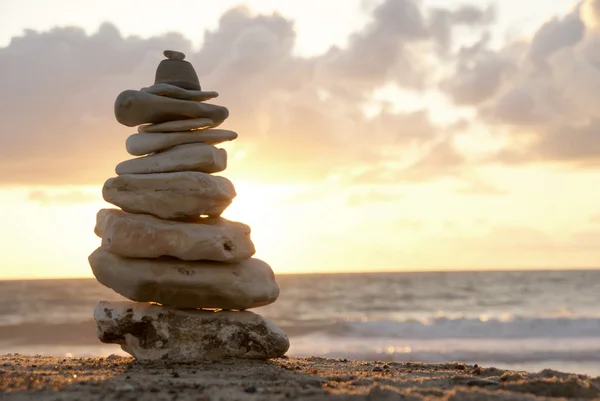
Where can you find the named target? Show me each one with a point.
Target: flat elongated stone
(177, 126)
(142, 144)
(151, 332)
(145, 236)
(181, 284)
(137, 107)
(170, 195)
(176, 92)
(188, 157)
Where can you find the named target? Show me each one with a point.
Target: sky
(374, 135)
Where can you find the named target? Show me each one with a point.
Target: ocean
(526, 320)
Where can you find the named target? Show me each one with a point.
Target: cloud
(540, 94)
(443, 20)
(556, 34)
(370, 196)
(512, 247)
(62, 197)
(478, 186)
(479, 74)
(58, 89)
(440, 159)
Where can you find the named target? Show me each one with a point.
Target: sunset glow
(439, 160)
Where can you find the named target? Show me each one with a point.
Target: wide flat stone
(176, 92)
(151, 332)
(188, 157)
(182, 284)
(145, 236)
(178, 126)
(170, 195)
(136, 107)
(142, 144)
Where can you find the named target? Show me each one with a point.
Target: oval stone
(189, 157)
(136, 107)
(170, 195)
(145, 236)
(181, 284)
(142, 144)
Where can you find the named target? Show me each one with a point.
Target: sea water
(526, 320)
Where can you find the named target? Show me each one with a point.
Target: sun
(257, 205)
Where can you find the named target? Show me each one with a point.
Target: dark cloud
(579, 145)
(297, 117)
(556, 34)
(478, 77)
(443, 21)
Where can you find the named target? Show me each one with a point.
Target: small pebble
(126, 387)
(250, 390)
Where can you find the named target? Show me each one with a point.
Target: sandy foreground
(119, 378)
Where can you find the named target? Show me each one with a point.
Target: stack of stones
(189, 271)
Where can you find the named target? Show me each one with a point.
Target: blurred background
(434, 162)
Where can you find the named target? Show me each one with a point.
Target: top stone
(176, 71)
(174, 55)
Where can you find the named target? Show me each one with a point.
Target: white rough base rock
(170, 195)
(143, 144)
(151, 332)
(189, 157)
(145, 236)
(177, 126)
(135, 107)
(175, 92)
(180, 284)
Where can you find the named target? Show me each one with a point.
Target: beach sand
(118, 378)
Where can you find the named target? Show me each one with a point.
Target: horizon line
(449, 270)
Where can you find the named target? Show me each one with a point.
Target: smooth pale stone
(145, 236)
(142, 144)
(181, 284)
(170, 195)
(152, 332)
(176, 92)
(136, 107)
(189, 157)
(177, 126)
